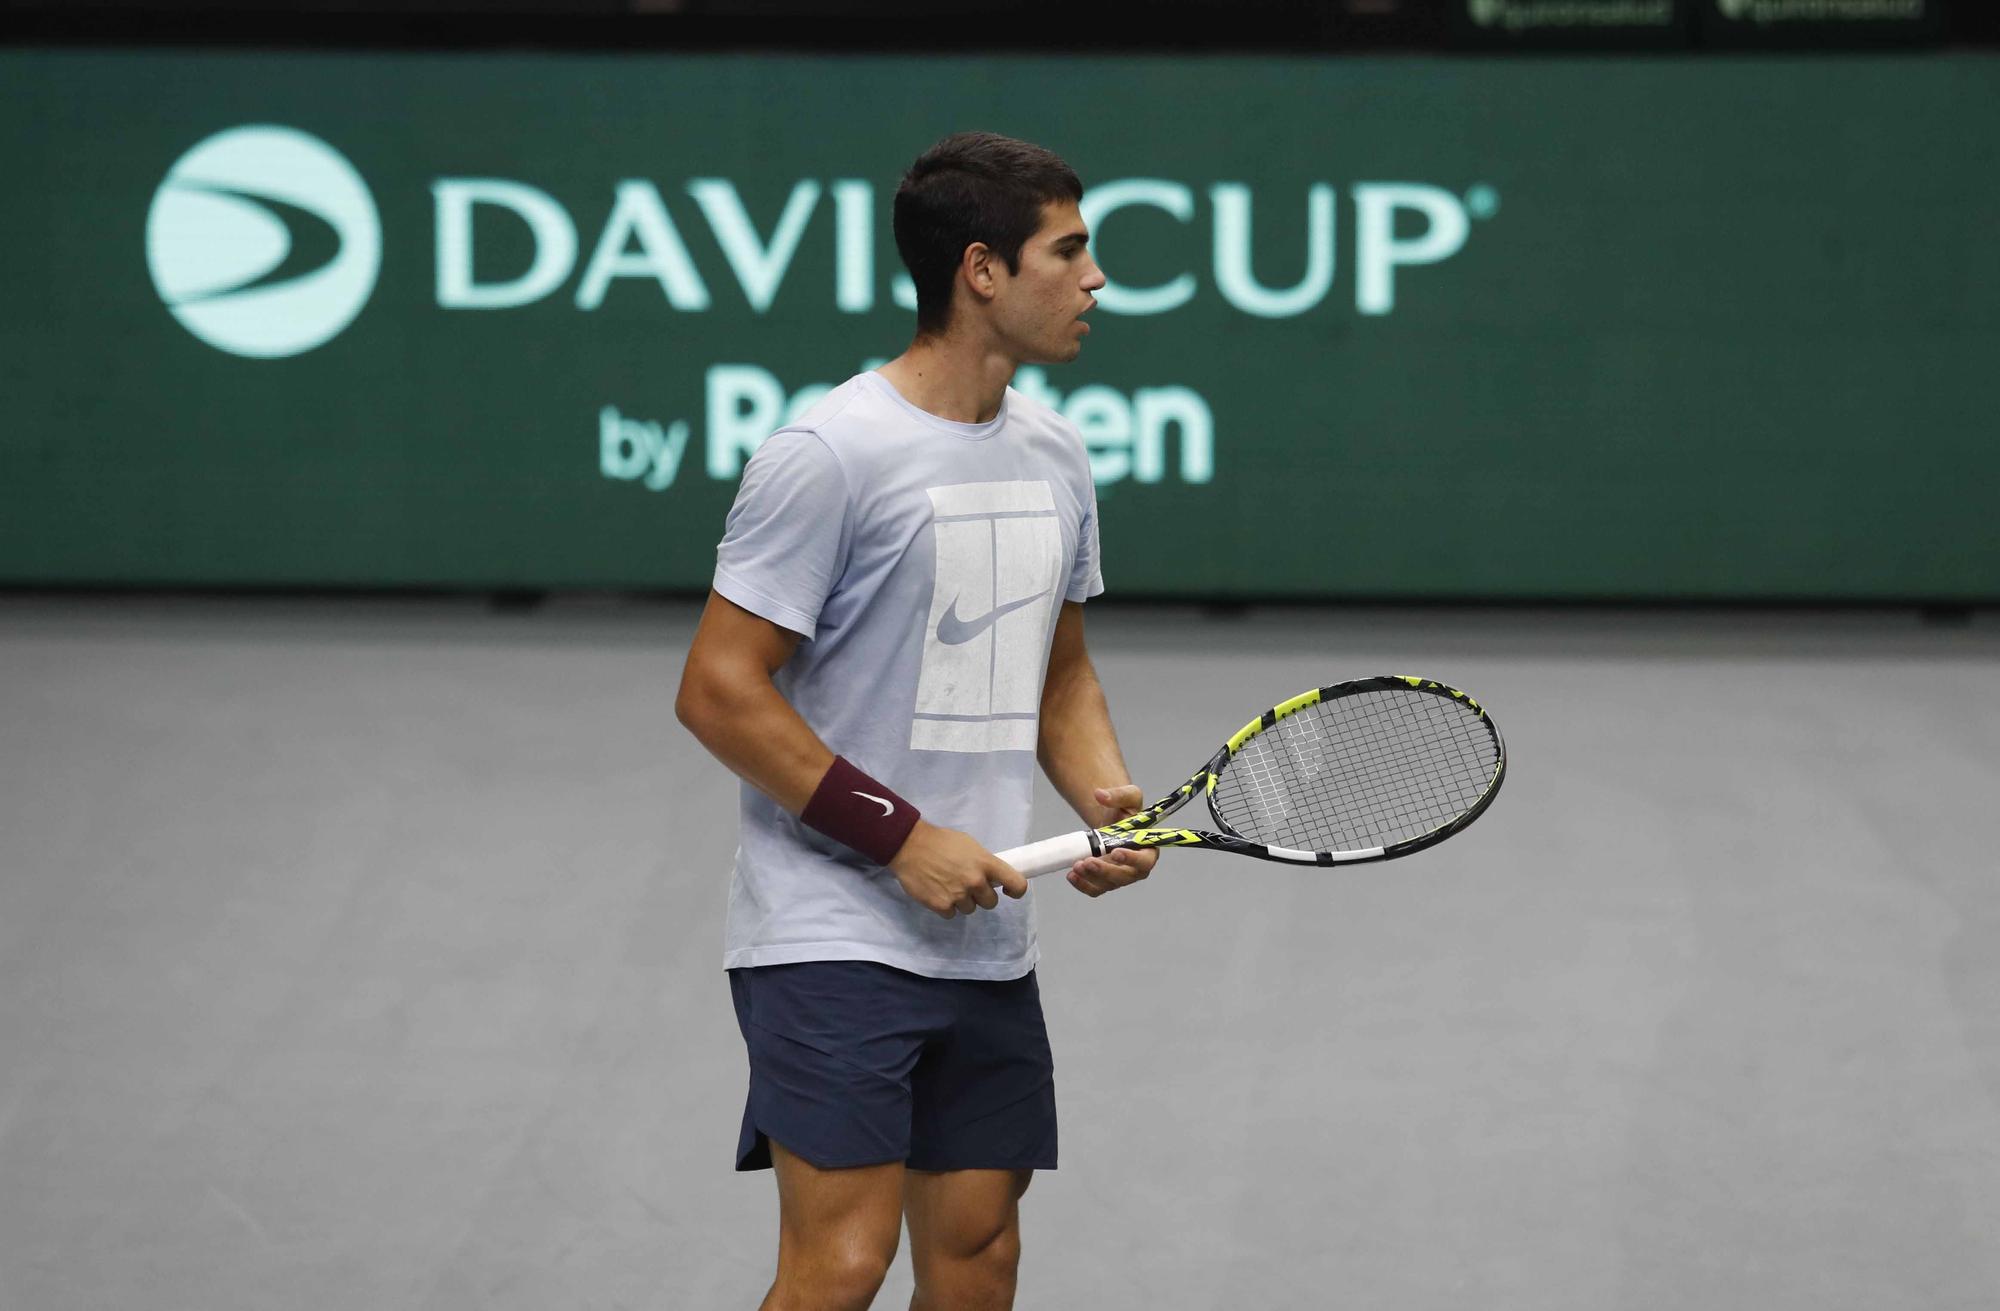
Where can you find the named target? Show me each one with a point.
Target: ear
(978, 268)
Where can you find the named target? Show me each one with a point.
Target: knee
(975, 1275)
(852, 1277)
(1002, 1255)
(836, 1278)
(994, 1258)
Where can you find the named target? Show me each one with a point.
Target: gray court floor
(364, 955)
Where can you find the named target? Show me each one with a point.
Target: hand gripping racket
(1365, 770)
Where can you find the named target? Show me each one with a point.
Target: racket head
(1367, 769)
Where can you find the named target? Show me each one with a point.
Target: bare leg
(837, 1233)
(965, 1237)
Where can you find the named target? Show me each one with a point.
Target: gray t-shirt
(925, 562)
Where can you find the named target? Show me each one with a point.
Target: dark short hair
(972, 186)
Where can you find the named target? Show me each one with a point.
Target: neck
(952, 377)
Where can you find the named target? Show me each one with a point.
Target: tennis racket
(1364, 770)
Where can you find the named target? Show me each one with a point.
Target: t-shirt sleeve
(1086, 578)
(784, 546)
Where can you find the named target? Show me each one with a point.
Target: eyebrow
(1080, 238)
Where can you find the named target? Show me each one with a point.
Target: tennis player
(894, 639)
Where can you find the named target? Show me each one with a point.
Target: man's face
(1038, 311)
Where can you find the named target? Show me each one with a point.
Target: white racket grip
(1051, 854)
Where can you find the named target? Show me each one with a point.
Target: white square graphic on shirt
(999, 570)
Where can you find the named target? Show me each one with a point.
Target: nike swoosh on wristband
(952, 630)
(887, 807)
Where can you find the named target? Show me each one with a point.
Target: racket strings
(1358, 772)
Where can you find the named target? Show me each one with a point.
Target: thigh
(849, 1211)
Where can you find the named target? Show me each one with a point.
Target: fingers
(1083, 876)
(998, 877)
(1008, 879)
(1125, 798)
(1096, 875)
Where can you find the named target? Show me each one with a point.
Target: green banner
(1376, 328)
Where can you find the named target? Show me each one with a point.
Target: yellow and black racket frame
(1138, 830)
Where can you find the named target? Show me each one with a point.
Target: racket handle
(1052, 854)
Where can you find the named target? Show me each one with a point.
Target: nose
(1095, 278)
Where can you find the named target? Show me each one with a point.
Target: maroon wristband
(856, 811)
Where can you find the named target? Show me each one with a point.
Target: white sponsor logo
(263, 241)
(1396, 226)
(1150, 435)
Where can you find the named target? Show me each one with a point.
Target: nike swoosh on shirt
(952, 630)
(888, 808)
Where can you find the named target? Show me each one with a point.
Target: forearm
(747, 725)
(1078, 749)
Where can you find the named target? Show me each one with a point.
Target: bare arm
(1078, 749)
(728, 701)
(1079, 752)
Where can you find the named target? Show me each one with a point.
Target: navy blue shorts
(855, 1063)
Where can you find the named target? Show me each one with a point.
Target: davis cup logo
(263, 241)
